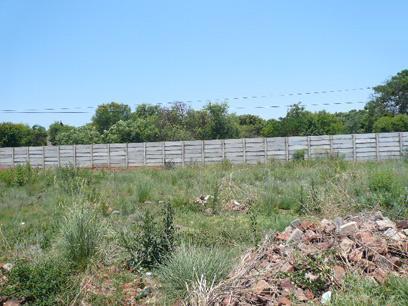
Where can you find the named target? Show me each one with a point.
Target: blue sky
(77, 54)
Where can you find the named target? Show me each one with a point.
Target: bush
(81, 235)
(299, 155)
(41, 283)
(150, 242)
(360, 291)
(190, 264)
(21, 175)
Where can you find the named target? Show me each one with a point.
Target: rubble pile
(308, 259)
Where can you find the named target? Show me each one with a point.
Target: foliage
(108, 114)
(365, 291)
(40, 283)
(398, 123)
(57, 128)
(19, 176)
(86, 134)
(188, 264)
(150, 242)
(16, 135)
(393, 95)
(81, 235)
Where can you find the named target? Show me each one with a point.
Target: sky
(79, 54)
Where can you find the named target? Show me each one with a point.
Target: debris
(7, 267)
(326, 297)
(234, 205)
(348, 228)
(270, 275)
(12, 303)
(385, 224)
(402, 224)
(202, 200)
(295, 223)
(296, 235)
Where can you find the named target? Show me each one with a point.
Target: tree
(393, 95)
(82, 135)
(398, 123)
(220, 125)
(56, 128)
(138, 130)
(250, 125)
(17, 134)
(107, 115)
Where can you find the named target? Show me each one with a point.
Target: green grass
(41, 218)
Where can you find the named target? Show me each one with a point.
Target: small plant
(254, 227)
(381, 181)
(150, 242)
(21, 175)
(81, 235)
(299, 154)
(189, 264)
(143, 191)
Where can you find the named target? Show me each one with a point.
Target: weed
(190, 263)
(81, 235)
(47, 282)
(299, 155)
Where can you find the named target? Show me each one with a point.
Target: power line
(63, 110)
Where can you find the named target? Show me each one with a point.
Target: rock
(355, 255)
(286, 284)
(283, 300)
(365, 237)
(261, 286)
(309, 294)
(378, 216)
(403, 224)
(338, 222)
(12, 303)
(379, 275)
(7, 267)
(346, 245)
(115, 212)
(393, 234)
(295, 223)
(310, 276)
(385, 224)
(339, 273)
(328, 226)
(326, 297)
(300, 295)
(286, 268)
(405, 231)
(348, 228)
(296, 235)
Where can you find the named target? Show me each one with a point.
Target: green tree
(398, 123)
(250, 125)
(86, 134)
(219, 125)
(56, 128)
(107, 115)
(393, 95)
(138, 130)
(17, 134)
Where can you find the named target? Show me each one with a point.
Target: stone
(378, 216)
(405, 231)
(309, 294)
(261, 286)
(365, 237)
(7, 267)
(348, 228)
(346, 245)
(379, 275)
(393, 234)
(355, 255)
(338, 222)
(326, 297)
(339, 273)
(295, 223)
(296, 235)
(403, 224)
(300, 295)
(286, 268)
(385, 224)
(286, 284)
(115, 212)
(283, 300)
(12, 303)
(327, 225)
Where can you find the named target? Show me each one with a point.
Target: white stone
(326, 297)
(296, 235)
(348, 228)
(385, 224)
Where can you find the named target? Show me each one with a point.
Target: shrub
(81, 235)
(364, 291)
(381, 181)
(41, 283)
(150, 242)
(21, 175)
(190, 264)
(299, 154)
(143, 191)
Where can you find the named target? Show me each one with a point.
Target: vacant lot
(150, 235)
